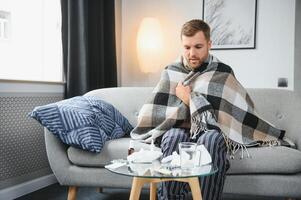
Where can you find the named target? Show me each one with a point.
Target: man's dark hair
(191, 27)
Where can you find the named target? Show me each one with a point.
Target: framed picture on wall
(232, 22)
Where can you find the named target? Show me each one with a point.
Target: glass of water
(187, 154)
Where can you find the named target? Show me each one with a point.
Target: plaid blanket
(218, 101)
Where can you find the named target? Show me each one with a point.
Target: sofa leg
(99, 190)
(72, 192)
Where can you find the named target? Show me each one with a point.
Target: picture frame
(232, 23)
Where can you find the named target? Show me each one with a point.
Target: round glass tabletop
(158, 170)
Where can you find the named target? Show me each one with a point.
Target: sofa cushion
(264, 160)
(267, 160)
(113, 149)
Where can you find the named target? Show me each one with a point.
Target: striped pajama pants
(211, 186)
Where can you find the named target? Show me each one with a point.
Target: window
(30, 40)
(4, 25)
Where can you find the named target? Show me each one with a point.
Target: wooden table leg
(153, 191)
(72, 193)
(139, 182)
(136, 188)
(195, 188)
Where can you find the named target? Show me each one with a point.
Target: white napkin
(115, 165)
(144, 156)
(205, 155)
(201, 151)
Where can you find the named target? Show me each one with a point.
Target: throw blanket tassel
(198, 124)
(233, 147)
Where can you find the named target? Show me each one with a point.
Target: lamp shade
(150, 45)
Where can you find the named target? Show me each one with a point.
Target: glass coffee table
(156, 172)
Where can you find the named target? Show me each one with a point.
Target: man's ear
(209, 44)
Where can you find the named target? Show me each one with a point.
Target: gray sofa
(272, 171)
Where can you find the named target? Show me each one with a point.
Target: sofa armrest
(57, 156)
(298, 143)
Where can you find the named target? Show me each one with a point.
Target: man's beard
(194, 62)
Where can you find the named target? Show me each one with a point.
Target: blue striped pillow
(85, 122)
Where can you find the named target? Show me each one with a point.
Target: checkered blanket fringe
(218, 101)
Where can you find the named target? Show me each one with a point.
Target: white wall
(298, 48)
(258, 68)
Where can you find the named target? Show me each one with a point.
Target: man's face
(196, 49)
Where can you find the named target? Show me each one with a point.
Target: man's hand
(183, 93)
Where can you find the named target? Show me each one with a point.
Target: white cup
(187, 155)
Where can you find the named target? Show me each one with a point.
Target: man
(195, 37)
(198, 99)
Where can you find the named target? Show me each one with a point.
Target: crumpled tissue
(203, 157)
